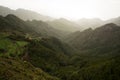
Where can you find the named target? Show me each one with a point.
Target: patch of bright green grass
(10, 47)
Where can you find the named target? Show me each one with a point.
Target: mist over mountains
(38, 47)
(24, 14)
(62, 23)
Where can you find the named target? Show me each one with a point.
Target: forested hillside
(34, 50)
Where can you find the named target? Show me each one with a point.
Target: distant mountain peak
(2, 7)
(26, 11)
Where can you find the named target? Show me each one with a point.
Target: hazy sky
(73, 9)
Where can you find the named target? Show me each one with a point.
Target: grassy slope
(15, 69)
(11, 47)
(11, 65)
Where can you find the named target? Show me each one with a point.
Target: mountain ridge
(24, 14)
(100, 39)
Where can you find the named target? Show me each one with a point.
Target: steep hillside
(13, 23)
(16, 51)
(37, 28)
(15, 69)
(45, 29)
(104, 39)
(12, 60)
(49, 53)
